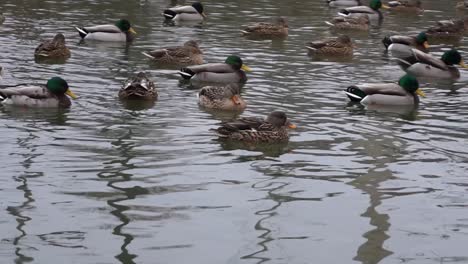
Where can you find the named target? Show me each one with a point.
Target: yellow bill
(426, 44)
(245, 68)
(462, 63)
(420, 93)
(385, 6)
(131, 30)
(292, 126)
(71, 94)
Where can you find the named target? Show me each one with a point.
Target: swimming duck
(401, 45)
(52, 94)
(188, 54)
(360, 23)
(251, 129)
(340, 46)
(335, 3)
(185, 13)
(231, 71)
(405, 92)
(120, 31)
(222, 97)
(462, 5)
(448, 29)
(138, 87)
(372, 11)
(278, 30)
(405, 6)
(54, 48)
(426, 65)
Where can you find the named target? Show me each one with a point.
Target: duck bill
(236, 99)
(385, 6)
(462, 63)
(291, 125)
(131, 30)
(71, 94)
(420, 93)
(245, 68)
(426, 45)
(203, 15)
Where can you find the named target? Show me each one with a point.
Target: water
(105, 183)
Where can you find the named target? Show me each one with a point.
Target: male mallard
(222, 97)
(426, 65)
(372, 11)
(188, 54)
(53, 94)
(334, 3)
(401, 45)
(405, 92)
(185, 13)
(231, 71)
(405, 6)
(54, 48)
(340, 46)
(120, 31)
(350, 23)
(448, 29)
(138, 87)
(277, 30)
(273, 129)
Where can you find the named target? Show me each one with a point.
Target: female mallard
(138, 87)
(412, 6)
(405, 92)
(448, 29)
(426, 65)
(265, 30)
(222, 97)
(231, 71)
(401, 45)
(341, 46)
(188, 54)
(185, 13)
(273, 129)
(334, 3)
(53, 94)
(372, 11)
(360, 23)
(54, 48)
(120, 31)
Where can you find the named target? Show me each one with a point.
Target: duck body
(231, 71)
(54, 48)
(343, 3)
(341, 46)
(463, 5)
(188, 54)
(138, 87)
(221, 97)
(448, 29)
(411, 6)
(265, 30)
(357, 23)
(419, 42)
(192, 13)
(372, 11)
(273, 129)
(121, 31)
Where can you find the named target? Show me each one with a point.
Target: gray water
(106, 183)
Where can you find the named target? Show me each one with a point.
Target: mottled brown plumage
(222, 97)
(188, 54)
(340, 46)
(273, 129)
(279, 29)
(411, 6)
(448, 29)
(138, 87)
(360, 23)
(54, 48)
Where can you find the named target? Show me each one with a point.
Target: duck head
(59, 86)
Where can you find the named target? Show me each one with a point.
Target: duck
(121, 31)
(462, 5)
(340, 46)
(188, 54)
(338, 3)
(405, 92)
(138, 87)
(276, 30)
(412, 6)
(400, 46)
(372, 11)
(448, 29)
(231, 71)
(222, 97)
(185, 13)
(54, 48)
(358, 23)
(421, 64)
(51, 95)
(272, 129)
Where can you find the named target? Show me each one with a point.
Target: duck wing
(212, 67)
(32, 91)
(407, 40)
(184, 9)
(425, 58)
(358, 9)
(382, 88)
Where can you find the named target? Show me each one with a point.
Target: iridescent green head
(236, 63)
(411, 85)
(375, 4)
(125, 26)
(421, 38)
(451, 57)
(59, 86)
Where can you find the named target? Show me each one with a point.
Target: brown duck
(138, 87)
(54, 48)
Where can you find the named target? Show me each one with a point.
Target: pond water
(105, 183)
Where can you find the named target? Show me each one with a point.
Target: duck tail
(147, 55)
(354, 93)
(344, 13)
(82, 32)
(329, 23)
(387, 42)
(169, 14)
(186, 73)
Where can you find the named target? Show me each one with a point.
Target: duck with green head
(231, 71)
(400, 46)
(372, 11)
(51, 95)
(279, 29)
(405, 92)
(350, 23)
(194, 12)
(421, 64)
(121, 31)
(53, 49)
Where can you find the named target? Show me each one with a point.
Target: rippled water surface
(106, 183)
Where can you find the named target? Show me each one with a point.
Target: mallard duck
(372, 11)
(120, 31)
(334, 3)
(401, 45)
(222, 97)
(448, 29)
(138, 87)
(231, 71)
(462, 5)
(405, 6)
(188, 54)
(405, 92)
(54, 48)
(340, 46)
(426, 65)
(185, 13)
(52, 94)
(251, 129)
(360, 23)
(277, 30)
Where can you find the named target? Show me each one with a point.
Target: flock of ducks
(410, 53)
